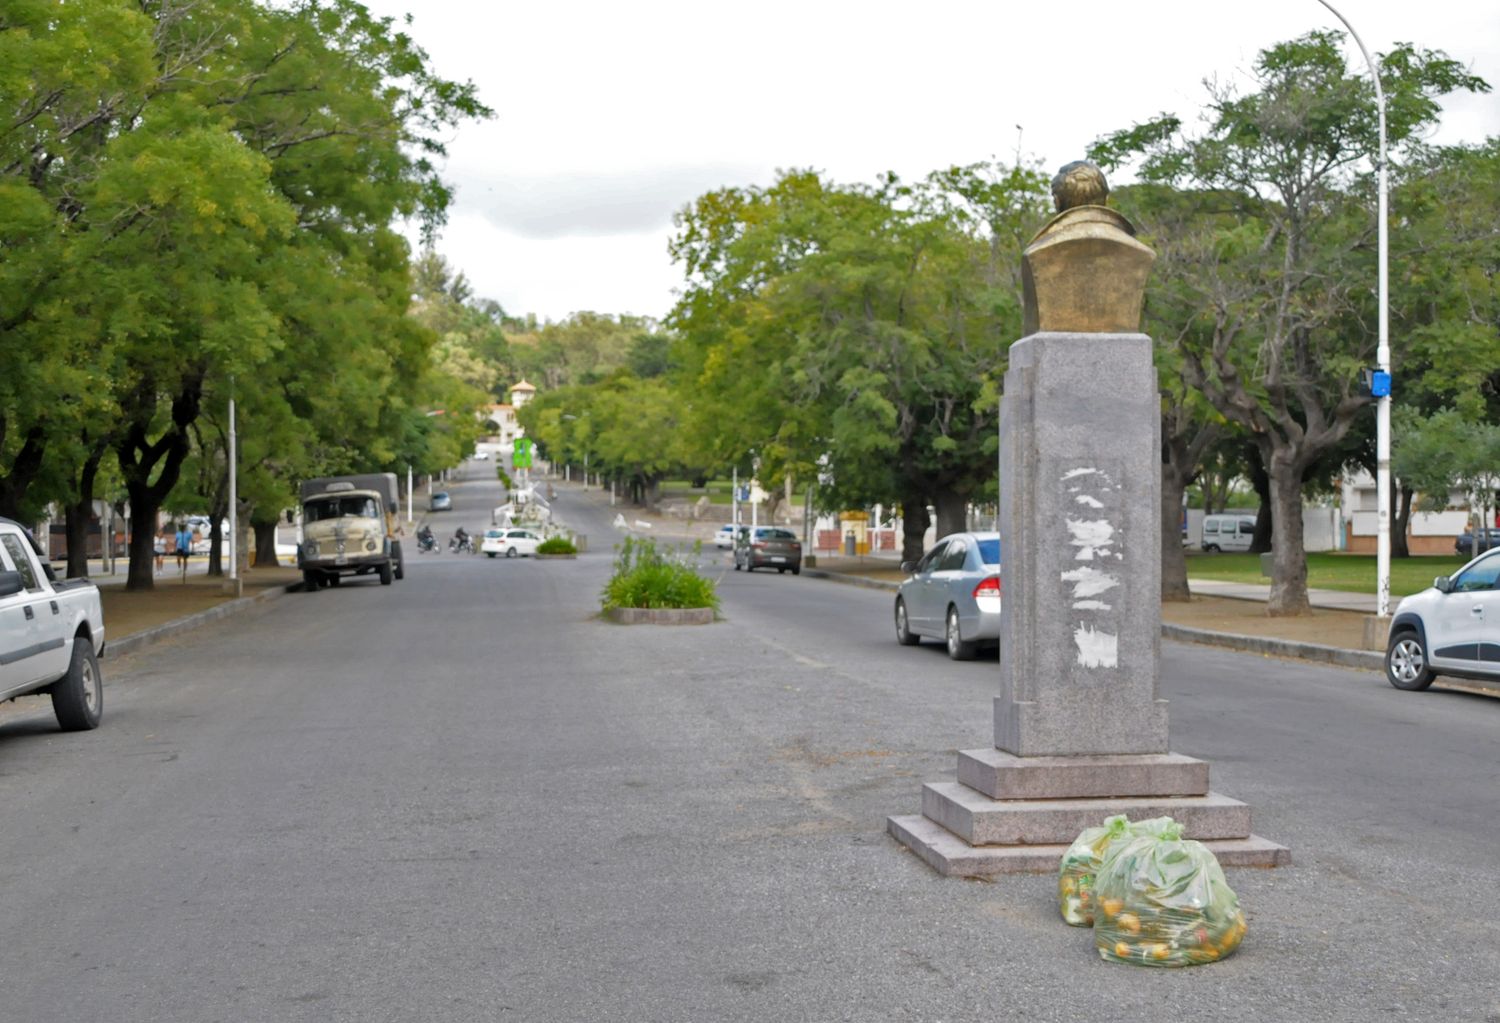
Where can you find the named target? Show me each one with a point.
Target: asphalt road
(464, 797)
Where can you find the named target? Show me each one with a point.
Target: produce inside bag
(1080, 864)
(1075, 877)
(1161, 900)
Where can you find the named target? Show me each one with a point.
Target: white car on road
(724, 538)
(510, 542)
(1451, 628)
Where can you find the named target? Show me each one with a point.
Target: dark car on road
(1489, 539)
(768, 547)
(953, 594)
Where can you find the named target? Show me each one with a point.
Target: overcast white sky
(611, 116)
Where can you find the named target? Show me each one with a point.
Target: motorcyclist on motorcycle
(426, 540)
(461, 541)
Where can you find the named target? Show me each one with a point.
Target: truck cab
(349, 527)
(51, 633)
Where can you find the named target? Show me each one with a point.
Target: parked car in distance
(512, 543)
(724, 538)
(441, 501)
(953, 594)
(1489, 539)
(51, 633)
(481, 456)
(1452, 628)
(768, 547)
(1228, 532)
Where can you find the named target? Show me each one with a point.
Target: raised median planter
(555, 557)
(660, 615)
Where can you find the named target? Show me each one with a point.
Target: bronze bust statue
(1084, 272)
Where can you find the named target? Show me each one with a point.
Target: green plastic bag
(1162, 901)
(1081, 863)
(1075, 875)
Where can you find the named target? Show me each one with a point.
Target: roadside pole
(410, 499)
(234, 517)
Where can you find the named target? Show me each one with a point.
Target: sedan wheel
(1406, 662)
(904, 635)
(957, 648)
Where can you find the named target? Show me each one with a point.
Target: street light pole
(1382, 351)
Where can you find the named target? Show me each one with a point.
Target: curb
(1367, 659)
(660, 615)
(147, 637)
(852, 580)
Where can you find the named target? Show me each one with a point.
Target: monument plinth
(1080, 728)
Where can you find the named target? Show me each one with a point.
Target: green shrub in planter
(646, 576)
(556, 545)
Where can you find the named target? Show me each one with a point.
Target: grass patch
(651, 577)
(1327, 570)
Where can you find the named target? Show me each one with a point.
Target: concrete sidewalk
(1333, 600)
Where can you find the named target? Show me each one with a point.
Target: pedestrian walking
(184, 542)
(159, 547)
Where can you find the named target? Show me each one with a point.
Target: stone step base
(980, 820)
(1002, 775)
(951, 856)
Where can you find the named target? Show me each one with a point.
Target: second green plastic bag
(1162, 901)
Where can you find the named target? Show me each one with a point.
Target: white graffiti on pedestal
(1096, 541)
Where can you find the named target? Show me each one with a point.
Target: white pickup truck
(51, 633)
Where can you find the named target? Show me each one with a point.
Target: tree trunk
(76, 518)
(1289, 559)
(1174, 581)
(265, 543)
(1265, 516)
(17, 477)
(914, 523)
(215, 543)
(952, 512)
(1401, 497)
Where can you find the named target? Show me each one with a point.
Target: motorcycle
(428, 544)
(462, 545)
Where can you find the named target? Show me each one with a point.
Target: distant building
(502, 429)
(1428, 532)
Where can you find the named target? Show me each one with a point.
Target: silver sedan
(953, 594)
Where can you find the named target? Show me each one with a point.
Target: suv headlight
(310, 548)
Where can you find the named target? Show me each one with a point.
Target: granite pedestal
(1080, 729)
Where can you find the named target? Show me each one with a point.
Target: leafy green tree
(222, 176)
(1281, 259)
(863, 328)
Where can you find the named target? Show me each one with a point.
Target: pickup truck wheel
(311, 581)
(400, 564)
(387, 574)
(332, 579)
(78, 697)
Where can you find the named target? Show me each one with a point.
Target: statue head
(1079, 183)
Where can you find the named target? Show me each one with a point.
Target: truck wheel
(311, 581)
(78, 697)
(387, 574)
(400, 561)
(333, 579)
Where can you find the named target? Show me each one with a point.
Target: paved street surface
(463, 797)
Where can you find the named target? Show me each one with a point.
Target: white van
(1228, 532)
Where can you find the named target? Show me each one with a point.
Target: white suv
(1451, 629)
